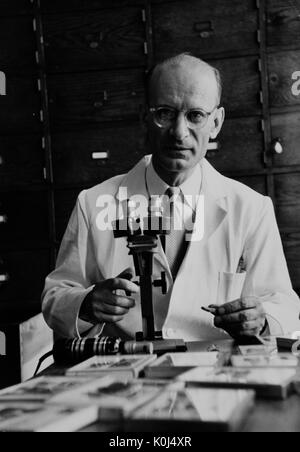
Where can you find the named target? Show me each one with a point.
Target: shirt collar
(190, 188)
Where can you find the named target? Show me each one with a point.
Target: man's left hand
(243, 317)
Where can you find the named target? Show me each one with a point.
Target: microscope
(142, 235)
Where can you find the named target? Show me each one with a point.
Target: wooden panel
(14, 7)
(283, 24)
(281, 67)
(241, 85)
(95, 97)
(53, 6)
(99, 40)
(287, 127)
(21, 160)
(287, 195)
(241, 142)
(65, 201)
(291, 244)
(204, 27)
(27, 271)
(17, 45)
(26, 215)
(257, 183)
(73, 153)
(20, 107)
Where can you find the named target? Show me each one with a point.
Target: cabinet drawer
(283, 24)
(95, 97)
(92, 156)
(287, 195)
(23, 217)
(18, 53)
(257, 183)
(241, 85)
(14, 7)
(21, 160)
(287, 128)
(95, 40)
(54, 6)
(65, 201)
(281, 67)
(26, 272)
(21, 106)
(204, 27)
(240, 146)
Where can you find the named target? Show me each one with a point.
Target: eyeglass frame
(208, 114)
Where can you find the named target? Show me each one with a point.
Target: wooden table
(267, 415)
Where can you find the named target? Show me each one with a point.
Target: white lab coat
(238, 222)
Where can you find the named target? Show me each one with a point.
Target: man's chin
(175, 161)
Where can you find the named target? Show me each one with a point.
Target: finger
(119, 300)
(112, 310)
(238, 326)
(128, 274)
(123, 284)
(238, 305)
(239, 317)
(102, 317)
(248, 333)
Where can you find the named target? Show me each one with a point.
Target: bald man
(234, 265)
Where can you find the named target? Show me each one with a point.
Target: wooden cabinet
(99, 153)
(204, 27)
(25, 273)
(22, 160)
(23, 218)
(20, 108)
(240, 146)
(86, 5)
(281, 67)
(283, 25)
(286, 127)
(18, 54)
(99, 39)
(94, 97)
(72, 116)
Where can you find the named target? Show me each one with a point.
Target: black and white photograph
(150, 218)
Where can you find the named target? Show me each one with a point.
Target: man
(237, 266)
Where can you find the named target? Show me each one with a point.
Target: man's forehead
(190, 78)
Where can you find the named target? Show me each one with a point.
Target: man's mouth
(177, 149)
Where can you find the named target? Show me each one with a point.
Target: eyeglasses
(196, 118)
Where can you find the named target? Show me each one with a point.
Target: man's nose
(180, 130)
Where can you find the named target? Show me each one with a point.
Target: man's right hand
(105, 303)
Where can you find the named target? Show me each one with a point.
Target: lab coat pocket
(230, 286)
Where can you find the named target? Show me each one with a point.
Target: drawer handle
(204, 29)
(100, 155)
(4, 277)
(101, 103)
(277, 146)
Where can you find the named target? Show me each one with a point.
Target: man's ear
(218, 123)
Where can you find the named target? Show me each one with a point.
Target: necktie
(175, 241)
